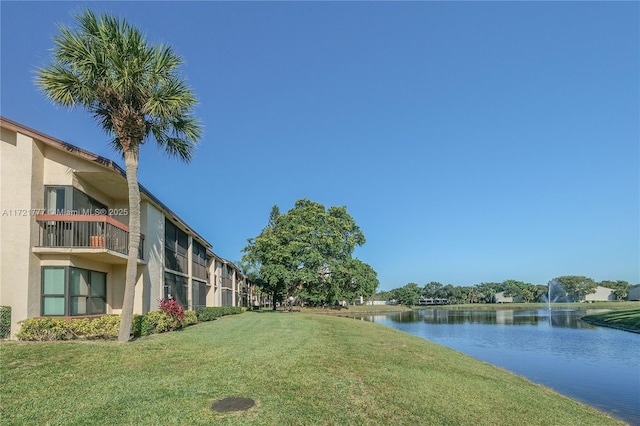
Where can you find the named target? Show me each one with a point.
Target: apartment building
(64, 238)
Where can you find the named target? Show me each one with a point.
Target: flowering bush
(174, 310)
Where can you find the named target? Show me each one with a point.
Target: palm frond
(107, 66)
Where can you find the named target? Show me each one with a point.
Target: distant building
(501, 298)
(634, 293)
(381, 302)
(601, 294)
(432, 301)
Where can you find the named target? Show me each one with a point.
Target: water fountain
(555, 293)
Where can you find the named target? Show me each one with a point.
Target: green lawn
(628, 319)
(301, 369)
(357, 309)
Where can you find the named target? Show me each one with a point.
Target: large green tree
(577, 286)
(307, 252)
(351, 279)
(434, 290)
(135, 93)
(408, 294)
(538, 291)
(517, 290)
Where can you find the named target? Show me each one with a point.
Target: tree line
(563, 288)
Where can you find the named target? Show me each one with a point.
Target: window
(227, 297)
(87, 292)
(176, 245)
(175, 287)
(84, 204)
(227, 276)
(53, 291)
(199, 296)
(170, 260)
(69, 291)
(69, 200)
(56, 200)
(199, 260)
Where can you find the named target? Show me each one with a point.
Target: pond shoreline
(626, 320)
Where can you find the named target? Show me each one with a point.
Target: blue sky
(471, 142)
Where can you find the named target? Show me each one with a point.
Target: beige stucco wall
(95, 193)
(190, 272)
(151, 289)
(122, 206)
(214, 297)
(22, 194)
(59, 167)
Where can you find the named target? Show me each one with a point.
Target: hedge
(46, 329)
(107, 326)
(104, 327)
(155, 322)
(209, 313)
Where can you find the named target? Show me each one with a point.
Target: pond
(594, 365)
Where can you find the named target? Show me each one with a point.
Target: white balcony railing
(85, 231)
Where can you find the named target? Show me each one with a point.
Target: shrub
(46, 329)
(190, 317)
(157, 322)
(5, 322)
(209, 313)
(136, 325)
(43, 329)
(77, 328)
(106, 327)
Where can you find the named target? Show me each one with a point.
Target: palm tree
(135, 93)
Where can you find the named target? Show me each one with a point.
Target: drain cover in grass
(232, 404)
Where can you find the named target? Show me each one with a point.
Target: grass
(357, 309)
(628, 319)
(301, 369)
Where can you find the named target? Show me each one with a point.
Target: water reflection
(540, 317)
(595, 365)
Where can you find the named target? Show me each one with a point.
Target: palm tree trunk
(126, 318)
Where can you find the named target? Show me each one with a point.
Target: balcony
(85, 234)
